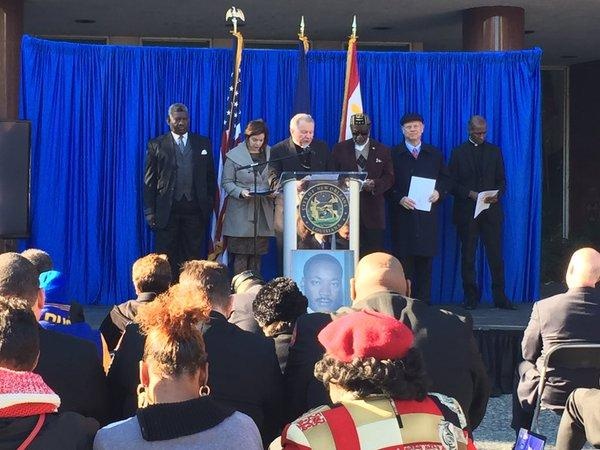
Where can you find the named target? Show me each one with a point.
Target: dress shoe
(506, 305)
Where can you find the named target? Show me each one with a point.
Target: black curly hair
(401, 379)
(280, 301)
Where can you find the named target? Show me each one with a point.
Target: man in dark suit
(414, 232)
(564, 318)
(70, 366)
(304, 154)
(244, 370)
(362, 153)
(151, 276)
(476, 166)
(179, 189)
(449, 350)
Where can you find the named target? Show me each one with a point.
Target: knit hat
(25, 394)
(54, 283)
(366, 334)
(279, 300)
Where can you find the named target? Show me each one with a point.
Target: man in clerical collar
(364, 154)
(301, 152)
(476, 166)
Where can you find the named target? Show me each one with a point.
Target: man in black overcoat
(415, 232)
(179, 189)
(476, 166)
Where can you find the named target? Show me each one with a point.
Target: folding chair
(568, 356)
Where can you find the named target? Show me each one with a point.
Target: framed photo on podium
(323, 276)
(320, 212)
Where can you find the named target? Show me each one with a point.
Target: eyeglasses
(359, 133)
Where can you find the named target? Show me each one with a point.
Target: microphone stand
(255, 168)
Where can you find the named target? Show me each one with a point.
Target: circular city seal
(324, 208)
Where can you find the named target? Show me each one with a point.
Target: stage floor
(486, 317)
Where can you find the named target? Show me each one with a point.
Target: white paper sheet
(420, 190)
(481, 206)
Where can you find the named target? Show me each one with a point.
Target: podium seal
(324, 208)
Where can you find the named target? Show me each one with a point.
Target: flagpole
(302, 93)
(231, 131)
(349, 67)
(303, 37)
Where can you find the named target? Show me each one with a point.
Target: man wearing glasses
(414, 231)
(362, 153)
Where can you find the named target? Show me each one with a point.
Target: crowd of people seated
(215, 363)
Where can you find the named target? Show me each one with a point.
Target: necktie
(181, 144)
(361, 161)
(415, 153)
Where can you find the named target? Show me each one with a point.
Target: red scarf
(25, 394)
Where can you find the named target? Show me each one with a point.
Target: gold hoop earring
(204, 390)
(142, 396)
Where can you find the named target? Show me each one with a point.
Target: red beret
(366, 334)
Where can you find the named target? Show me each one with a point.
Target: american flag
(230, 138)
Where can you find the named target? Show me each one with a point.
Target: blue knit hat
(54, 283)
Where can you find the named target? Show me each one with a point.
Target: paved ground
(495, 433)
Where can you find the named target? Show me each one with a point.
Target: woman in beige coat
(238, 183)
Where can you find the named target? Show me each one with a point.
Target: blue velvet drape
(93, 108)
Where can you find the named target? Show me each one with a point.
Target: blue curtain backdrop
(93, 108)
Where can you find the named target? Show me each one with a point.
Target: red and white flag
(352, 98)
(229, 139)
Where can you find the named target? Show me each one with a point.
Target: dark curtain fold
(501, 354)
(93, 108)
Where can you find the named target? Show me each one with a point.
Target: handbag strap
(34, 432)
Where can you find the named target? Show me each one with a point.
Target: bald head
(584, 268)
(378, 272)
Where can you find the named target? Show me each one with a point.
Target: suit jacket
(239, 213)
(113, 325)
(72, 368)
(243, 373)
(379, 168)
(563, 318)
(466, 177)
(320, 159)
(161, 171)
(416, 231)
(282, 340)
(452, 359)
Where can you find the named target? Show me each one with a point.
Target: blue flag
(302, 97)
